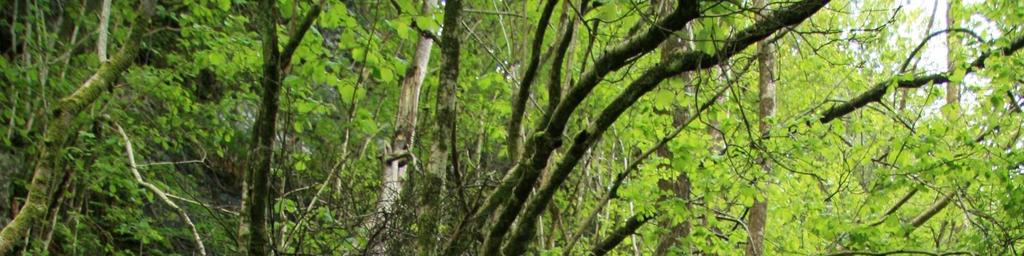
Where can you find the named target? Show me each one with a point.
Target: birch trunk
(101, 41)
(398, 157)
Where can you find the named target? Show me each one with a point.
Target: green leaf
(425, 23)
(304, 107)
(958, 75)
(225, 5)
(663, 99)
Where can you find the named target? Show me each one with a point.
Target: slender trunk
(256, 196)
(443, 156)
(101, 40)
(766, 90)
(515, 128)
(398, 156)
(680, 186)
(952, 41)
(253, 226)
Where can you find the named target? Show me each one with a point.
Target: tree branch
(519, 103)
(295, 38)
(159, 193)
(879, 89)
(519, 181)
(620, 234)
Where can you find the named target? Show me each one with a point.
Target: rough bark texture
(253, 227)
(256, 197)
(523, 94)
(397, 159)
(443, 157)
(61, 129)
(758, 215)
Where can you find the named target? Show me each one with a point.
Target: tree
(256, 193)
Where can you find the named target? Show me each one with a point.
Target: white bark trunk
(101, 42)
(398, 157)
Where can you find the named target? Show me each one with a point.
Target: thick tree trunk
(398, 157)
(61, 129)
(758, 215)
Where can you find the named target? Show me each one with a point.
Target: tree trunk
(253, 225)
(101, 41)
(952, 41)
(443, 157)
(680, 186)
(766, 89)
(252, 231)
(398, 157)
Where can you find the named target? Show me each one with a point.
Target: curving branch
(519, 181)
(298, 34)
(164, 197)
(634, 165)
(519, 103)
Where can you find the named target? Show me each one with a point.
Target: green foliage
(189, 104)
